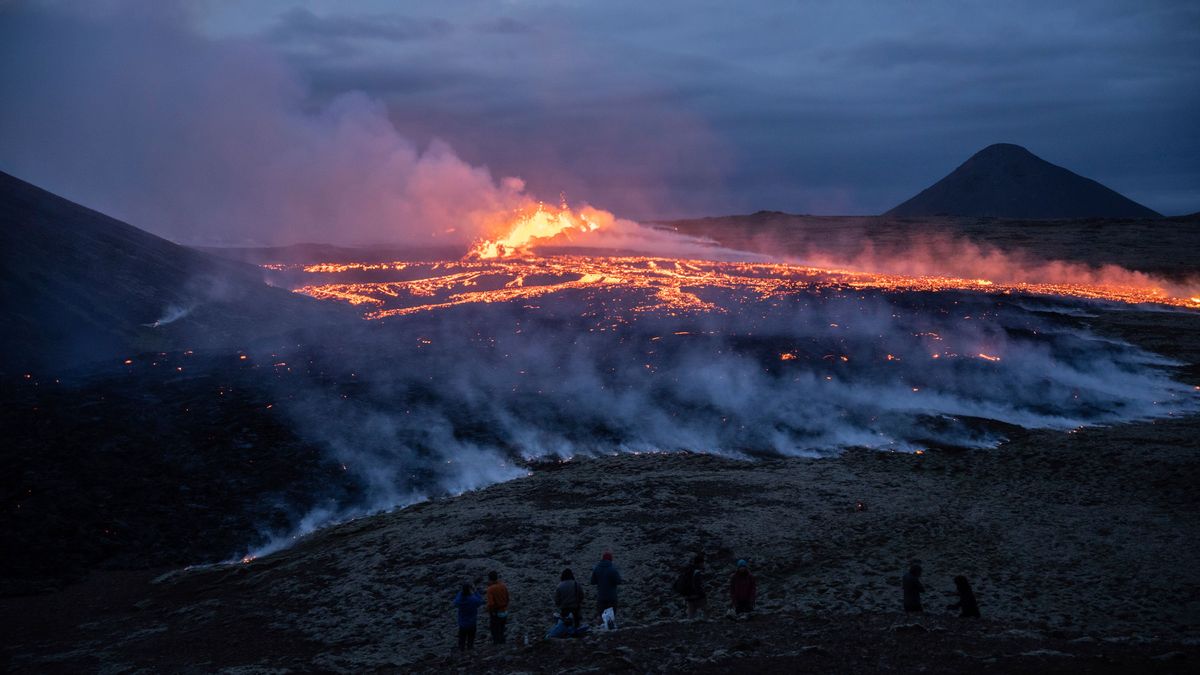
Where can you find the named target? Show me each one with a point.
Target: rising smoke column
(207, 140)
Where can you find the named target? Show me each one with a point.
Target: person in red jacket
(497, 607)
(742, 588)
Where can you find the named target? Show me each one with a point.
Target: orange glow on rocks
(669, 285)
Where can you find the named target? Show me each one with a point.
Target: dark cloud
(687, 108)
(300, 25)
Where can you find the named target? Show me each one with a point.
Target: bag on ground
(609, 619)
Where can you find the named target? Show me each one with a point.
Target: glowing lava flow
(539, 226)
(659, 284)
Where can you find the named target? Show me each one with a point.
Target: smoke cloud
(127, 109)
(453, 400)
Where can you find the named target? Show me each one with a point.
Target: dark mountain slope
(78, 286)
(1008, 181)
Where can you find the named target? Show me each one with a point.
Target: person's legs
(471, 637)
(496, 626)
(462, 638)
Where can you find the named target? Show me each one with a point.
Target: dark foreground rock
(1080, 547)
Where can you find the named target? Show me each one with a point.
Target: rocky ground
(1080, 546)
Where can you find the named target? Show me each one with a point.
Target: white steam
(446, 402)
(171, 314)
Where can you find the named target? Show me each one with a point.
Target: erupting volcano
(328, 353)
(536, 226)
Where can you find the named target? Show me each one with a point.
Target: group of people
(967, 606)
(692, 584)
(568, 598)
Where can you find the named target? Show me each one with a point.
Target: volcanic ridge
(1007, 181)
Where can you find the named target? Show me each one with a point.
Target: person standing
(743, 589)
(912, 589)
(967, 605)
(568, 598)
(606, 577)
(467, 601)
(497, 607)
(691, 585)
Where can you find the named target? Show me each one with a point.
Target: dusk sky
(649, 110)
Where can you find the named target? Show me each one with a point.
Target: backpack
(683, 583)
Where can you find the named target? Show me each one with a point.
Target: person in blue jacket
(605, 577)
(468, 602)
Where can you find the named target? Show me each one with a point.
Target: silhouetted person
(568, 598)
(692, 587)
(606, 577)
(497, 606)
(966, 598)
(912, 589)
(467, 601)
(742, 589)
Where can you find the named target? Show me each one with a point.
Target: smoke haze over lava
(500, 363)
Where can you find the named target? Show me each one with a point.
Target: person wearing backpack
(690, 584)
(568, 598)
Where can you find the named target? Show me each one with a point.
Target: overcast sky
(676, 108)
(796, 106)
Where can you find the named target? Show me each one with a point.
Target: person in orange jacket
(497, 607)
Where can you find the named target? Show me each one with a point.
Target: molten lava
(662, 285)
(531, 227)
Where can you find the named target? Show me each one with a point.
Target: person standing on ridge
(467, 601)
(743, 589)
(912, 589)
(568, 598)
(497, 607)
(606, 577)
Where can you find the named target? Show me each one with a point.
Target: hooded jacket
(606, 578)
(568, 595)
